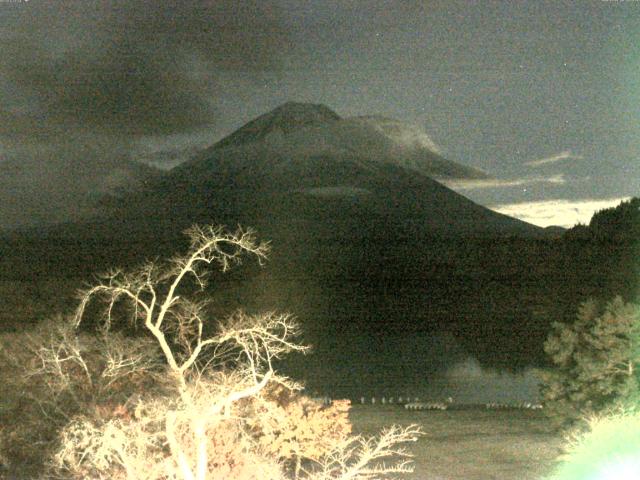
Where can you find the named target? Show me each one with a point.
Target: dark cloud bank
(129, 67)
(84, 84)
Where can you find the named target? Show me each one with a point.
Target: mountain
(305, 130)
(283, 120)
(301, 164)
(391, 273)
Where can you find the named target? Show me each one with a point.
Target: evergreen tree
(621, 223)
(605, 253)
(596, 361)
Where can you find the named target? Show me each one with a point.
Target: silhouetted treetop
(619, 223)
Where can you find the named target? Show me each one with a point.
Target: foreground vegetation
(609, 448)
(139, 384)
(593, 391)
(596, 362)
(156, 392)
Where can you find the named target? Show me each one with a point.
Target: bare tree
(198, 425)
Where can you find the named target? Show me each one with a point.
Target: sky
(542, 95)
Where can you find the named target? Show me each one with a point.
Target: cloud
(57, 181)
(553, 159)
(337, 191)
(502, 183)
(86, 82)
(403, 135)
(468, 382)
(564, 213)
(130, 67)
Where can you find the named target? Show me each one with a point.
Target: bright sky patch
(564, 213)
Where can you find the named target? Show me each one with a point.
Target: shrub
(596, 361)
(296, 429)
(52, 373)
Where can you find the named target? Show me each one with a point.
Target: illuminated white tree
(197, 423)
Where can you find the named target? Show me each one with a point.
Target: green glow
(619, 469)
(610, 450)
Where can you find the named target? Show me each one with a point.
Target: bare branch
(359, 458)
(141, 288)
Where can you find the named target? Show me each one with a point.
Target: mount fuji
(391, 272)
(303, 167)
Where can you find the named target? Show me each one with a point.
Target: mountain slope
(271, 180)
(300, 157)
(368, 250)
